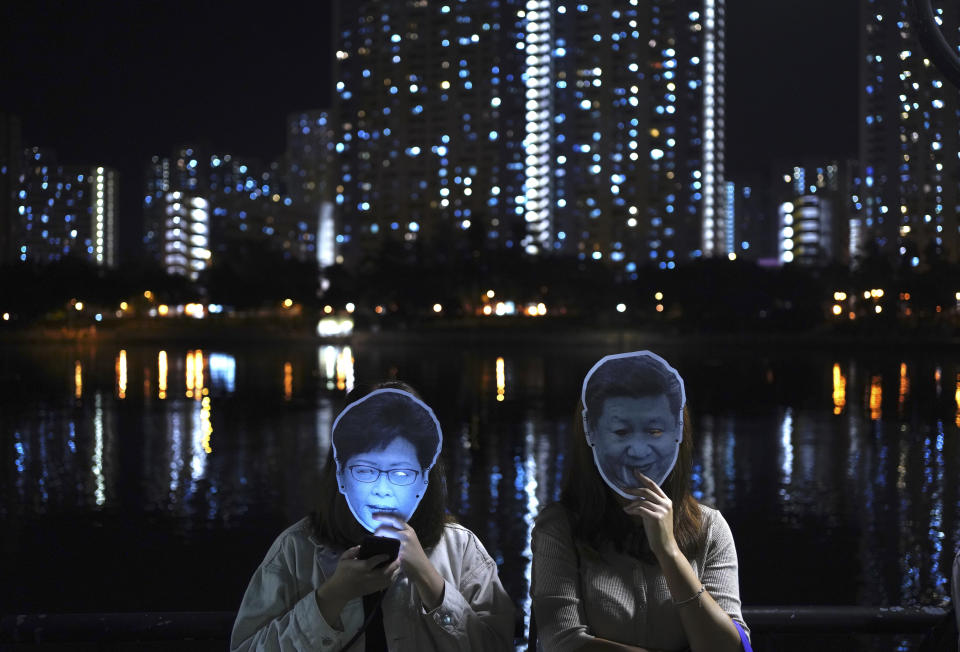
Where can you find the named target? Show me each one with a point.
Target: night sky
(118, 81)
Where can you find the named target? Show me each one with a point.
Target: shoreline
(538, 335)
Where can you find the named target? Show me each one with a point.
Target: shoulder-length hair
(596, 515)
(333, 522)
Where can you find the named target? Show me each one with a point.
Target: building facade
(200, 207)
(64, 210)
(909, 182)
(11, 158)
(638, 131)
(308, 164)
(755, 221)
(177, 213)
(588, 129)
(817, 224)
(430, 126)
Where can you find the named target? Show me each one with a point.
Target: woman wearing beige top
(313, 590)
(628, 560)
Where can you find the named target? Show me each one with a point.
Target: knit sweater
(616, 596)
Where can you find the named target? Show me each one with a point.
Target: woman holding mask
(628, 560)
(312, 591)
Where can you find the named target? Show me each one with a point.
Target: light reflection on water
(122, 374)
(223, 372)
(839, 389)
(956, 399)
(78, 379)
(904, 389)
(100, 493)
(501, 380)
(786, 455)
(527, 481)
(287, 381)
(161, 375)
(876, 397)
(867, 491)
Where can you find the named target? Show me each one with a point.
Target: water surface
(154, 477)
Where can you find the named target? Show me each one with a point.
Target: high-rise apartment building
(177, 213)
(308, 166)
(755, 233)
(909, 183)
(817, 225)
(309, 155)
(11, 158)
(637, 130)
(587, 128)
(64, 210)
(157, 184)
(430, 126)
(199, 207)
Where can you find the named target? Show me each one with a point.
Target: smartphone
(372, 546)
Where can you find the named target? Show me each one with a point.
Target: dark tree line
(704, 295)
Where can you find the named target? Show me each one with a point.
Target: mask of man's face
(633, 427)
(385, 474)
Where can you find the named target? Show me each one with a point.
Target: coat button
(446, 619)
(326, 641)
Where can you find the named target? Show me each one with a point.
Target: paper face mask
(385, 445)
(633, 418)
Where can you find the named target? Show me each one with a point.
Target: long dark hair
(334, 523)
(596, 517)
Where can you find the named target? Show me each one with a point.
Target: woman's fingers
(389, 532)
(650, 484)
(372, 562)
(378, 579)
(391, 520)
(647, 496)
(391, 569)
(647, 493)
(648, 504)
(645, 509)
(393, 527)
(644, 480)
(361, 576)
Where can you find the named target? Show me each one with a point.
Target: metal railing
(35, 629)
(865, 620)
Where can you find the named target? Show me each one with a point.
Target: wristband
(695, 596)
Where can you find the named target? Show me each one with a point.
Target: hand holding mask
(633, 418)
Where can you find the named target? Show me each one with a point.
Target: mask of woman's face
(389, 480)
(635, 433)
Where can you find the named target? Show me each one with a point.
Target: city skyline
(549, 127)
(254, 124)
(908, 196)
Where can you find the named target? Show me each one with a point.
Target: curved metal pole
(938, 49)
